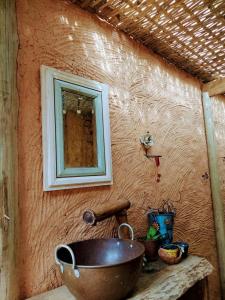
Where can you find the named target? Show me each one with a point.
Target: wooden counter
(162, 282)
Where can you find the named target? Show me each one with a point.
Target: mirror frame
(55, 175)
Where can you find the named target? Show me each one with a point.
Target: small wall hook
(147, 140)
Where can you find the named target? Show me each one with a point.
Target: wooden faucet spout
(118, 209)
(106, 211)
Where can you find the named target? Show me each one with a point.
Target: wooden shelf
(163, 282)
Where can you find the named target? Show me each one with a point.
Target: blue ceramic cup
(184, 248)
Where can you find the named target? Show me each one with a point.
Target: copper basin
(101, 269)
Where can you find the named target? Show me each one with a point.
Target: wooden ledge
(163, 282)
(215, 87)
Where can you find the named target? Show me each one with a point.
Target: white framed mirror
(75, 131)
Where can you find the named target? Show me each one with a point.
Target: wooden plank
(61, 293)
(218, 207)
(215, 87)
(8, 151)
(164, 282)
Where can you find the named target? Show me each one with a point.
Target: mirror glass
(79, 130)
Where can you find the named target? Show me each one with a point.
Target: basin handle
(130, 230)
(60, 263)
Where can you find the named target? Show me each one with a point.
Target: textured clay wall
(145, 94)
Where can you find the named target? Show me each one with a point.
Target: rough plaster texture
(145, 94)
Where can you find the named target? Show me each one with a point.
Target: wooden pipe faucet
(117, 209)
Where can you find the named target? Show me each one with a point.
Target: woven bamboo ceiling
(187, 33)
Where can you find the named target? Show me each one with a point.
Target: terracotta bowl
(169, 256)
(151, 248)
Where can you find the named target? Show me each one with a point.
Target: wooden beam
(8, 151)
(218, 207)
(215, 87)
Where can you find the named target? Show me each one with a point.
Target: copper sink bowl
(100, 269)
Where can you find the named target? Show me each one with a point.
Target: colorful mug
(171, 250)
(184, 248)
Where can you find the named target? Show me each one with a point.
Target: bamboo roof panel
(187, 33)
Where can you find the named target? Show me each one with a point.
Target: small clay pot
(151, 248)
(170, 254)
